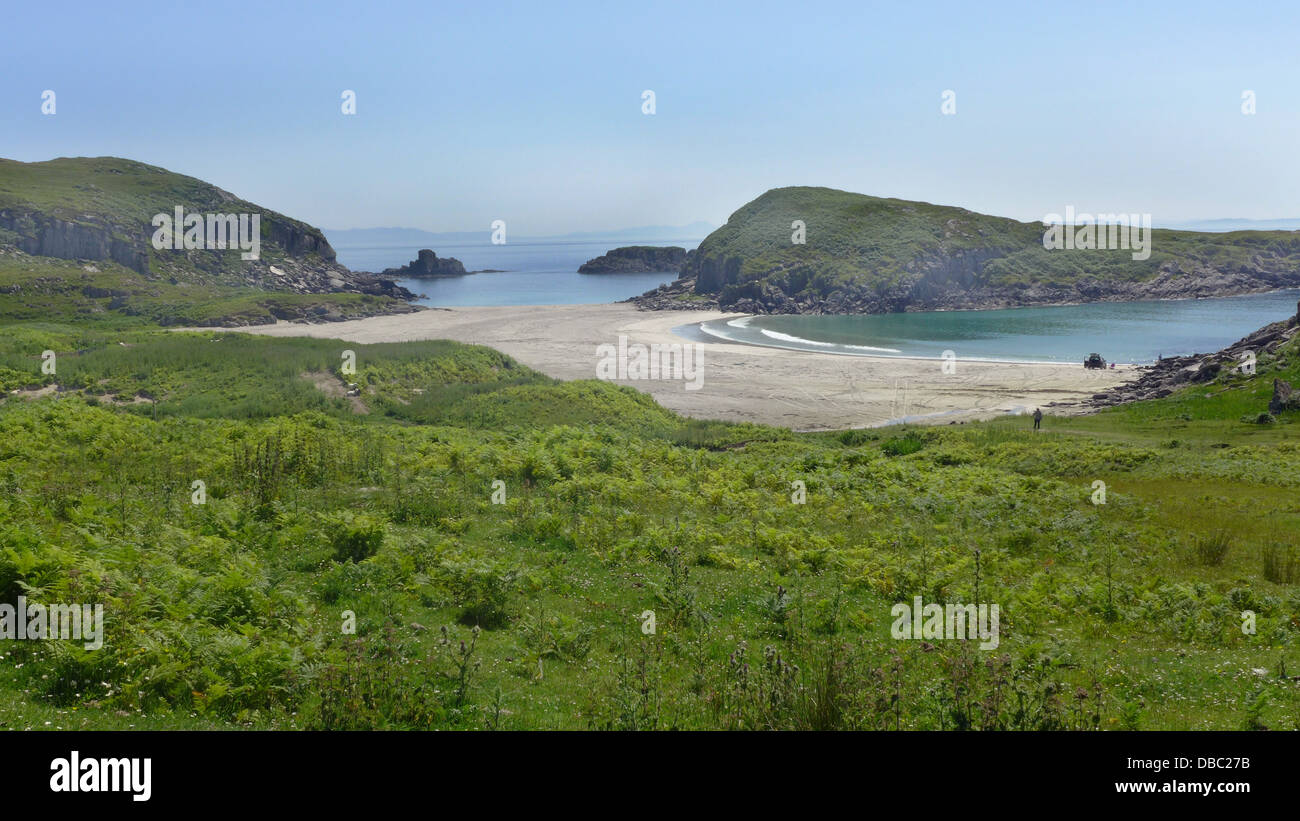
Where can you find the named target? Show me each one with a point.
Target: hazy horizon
(1207, 224)
(535, 115)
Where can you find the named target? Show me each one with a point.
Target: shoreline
(800, 390)
(913, 357)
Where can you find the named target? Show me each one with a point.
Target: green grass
(63, 291)
(769, 614)
(113, 191)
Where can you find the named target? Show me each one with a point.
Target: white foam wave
(704, 326)
(801, 341)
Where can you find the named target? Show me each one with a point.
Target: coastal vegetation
(440, 537)
(466, 543)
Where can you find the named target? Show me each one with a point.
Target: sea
(1122, 332)
(544, 272)
(532, 271)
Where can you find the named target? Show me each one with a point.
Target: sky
(532, 113)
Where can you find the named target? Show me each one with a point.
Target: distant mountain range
(353, 237)
(1232, 224)
(381, 237)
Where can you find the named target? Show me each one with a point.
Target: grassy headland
(75, 243)
(864, 254)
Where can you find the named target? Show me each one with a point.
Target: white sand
(796, 389)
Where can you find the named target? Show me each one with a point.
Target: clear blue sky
(531, 112)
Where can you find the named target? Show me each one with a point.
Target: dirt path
(335, 388)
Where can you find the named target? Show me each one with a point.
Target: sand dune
(795, 389)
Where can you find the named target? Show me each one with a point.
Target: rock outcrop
(960, 283)
(425, 265)
(1284, 397)
(637, 259)
(678, 295)
(39, 234)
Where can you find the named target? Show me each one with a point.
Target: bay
(1122, 332)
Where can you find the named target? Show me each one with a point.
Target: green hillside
(75, 242)
(871, 254)
(525, 609)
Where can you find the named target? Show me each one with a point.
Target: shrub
(853, 438)
(1212, 550)
(903, 445)
(481, 589)
(1281, 564)
(354, 537)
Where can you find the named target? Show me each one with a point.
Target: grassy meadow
(468, 544)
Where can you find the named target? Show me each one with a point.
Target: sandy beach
(741, 383)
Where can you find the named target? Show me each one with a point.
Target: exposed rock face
(43, 235)
(957, 282)
(298, 242)
(427, 264)
(295, 257)
(1284, 397)
(635, 259)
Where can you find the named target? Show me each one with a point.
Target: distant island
(804, 250)
(427, 265)
(637, 259)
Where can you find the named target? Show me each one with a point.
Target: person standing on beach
(1038, 417)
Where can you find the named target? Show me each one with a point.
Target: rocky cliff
(43, 235)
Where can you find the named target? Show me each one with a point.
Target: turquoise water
(1122, 332)
(536, 272)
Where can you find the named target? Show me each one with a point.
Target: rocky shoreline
(767, 299)
(1168, 375)
(678, 295)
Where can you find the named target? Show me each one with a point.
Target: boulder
(1207, 370)
(1284, 397)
